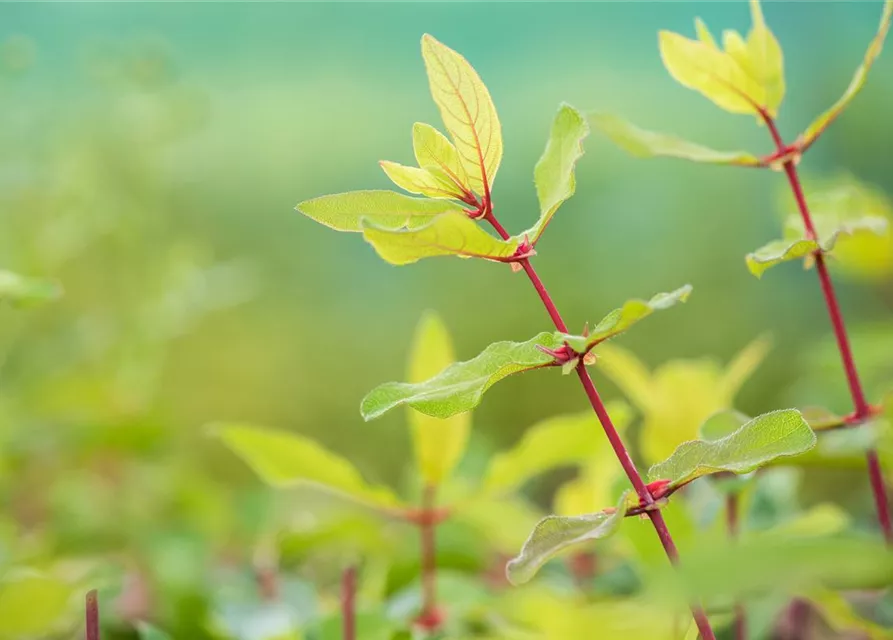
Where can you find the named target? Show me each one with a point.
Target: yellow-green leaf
(818, 126)
(438, 443)
(765, 60)
(24, 291)
(32, 605)
(842, 617)
(284, 459)
(461, 386)
(421, 181)
(450, 234)
(619, 320)
(554, 172)
(557, 441)
(386, 209)
(764, 439)
(650, 144)
(554, 534)
(438, 155)
(467, 111)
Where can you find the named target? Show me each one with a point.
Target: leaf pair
(461, 386)
(453, 176)
(746, 76)
(746, 448)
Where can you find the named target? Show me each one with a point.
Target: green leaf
(460, 386)
(722, 423)
(841, 616)
(795, 248)
(438, 443)
(554, 172)
(650, 144)
(283, 459)
(554, 534)
(438, 155)
(764, 59)
(841, 448)
(32, 604)
(450, 234)
(23, 291)
(818, 126)
(386, 209)
(760, 441)
(619, 320)
(820, 419)
(558, 441)
(421, 181)
(148, 632)
(467, 110)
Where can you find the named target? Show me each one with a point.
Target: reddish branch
(349, 603)
(862, 409)
(92, 616)
(629, 467)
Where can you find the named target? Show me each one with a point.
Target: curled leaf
(436, 154)
(461, 386)
(385, 209)
(421, 181)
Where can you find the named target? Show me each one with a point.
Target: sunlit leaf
(756, 443)
(650, 144)
(461, 386)
(284, 459)
(841, 616)
(438, 443)
(450, 234)
(421, 181)
(386, 209)
(467, 111)
(23, 291)
(764, 60)
(778, 251)
(554, 442)
(32, 604)
(818, 126)
(554, 534)
(554, 172)
(619, 320)
(438, 155)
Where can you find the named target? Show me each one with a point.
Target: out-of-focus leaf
(438, 443)
(385, 209)
(554, 534)
(468, 112)
(554, 172)
(760, 441)
(450, 234)
(840, 448)
(553, 442)
(371, 625)
(821, 520)
(149, 632)
(421, 181)
(746, 77)
(619, 320)
(458, 594)
(461, 386)
(840, 616)
(283, 459)
(438, 155)
(778, 251)
(722, 424)
(32, 604)
(820, 418)
(651, 144)
(818, 126)
(23, 291)
(502, 522)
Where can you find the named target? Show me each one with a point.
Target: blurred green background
(151, 156)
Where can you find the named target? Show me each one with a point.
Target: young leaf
(32, 604)
(438, 444)
(650, 144)
(756, 443)
(554, 442)
(386, 209)
(554, 534)
(619, 320)
(745, 78)
(283, 459)
(554, 172)
(450, 234)
(438, 155)
(23, 291)
(467, 111)
(421, 181)
(460, 386)
(818, 126)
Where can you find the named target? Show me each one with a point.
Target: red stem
(629, 467)
(427, 529)
(92, 616)
(348, 603)
(732, 527)
(861, 406)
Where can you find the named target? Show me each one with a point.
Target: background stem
(348, 603)
(862, 409)
(429, 552)
(92, 616)
(629, 467)
(732, 527)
